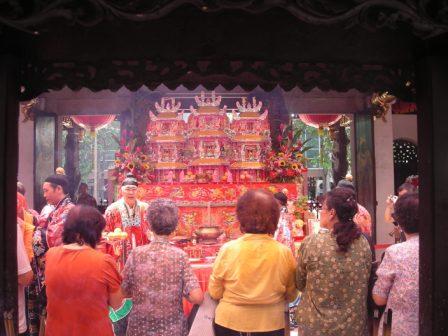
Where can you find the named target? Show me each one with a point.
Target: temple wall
(405, 127)
(384, 169)
(398, 126)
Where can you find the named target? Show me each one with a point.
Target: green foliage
(319, 145)
(106, 144)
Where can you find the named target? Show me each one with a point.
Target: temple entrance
(151, 52)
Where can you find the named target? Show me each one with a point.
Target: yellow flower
(294, 166)
(117, 162)
(145, 166)
(281, 154)
(130, 166)
(281, 163)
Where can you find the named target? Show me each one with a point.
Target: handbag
(203, 322)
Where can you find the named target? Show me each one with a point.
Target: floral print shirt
(398, 282)
(49, 230)
(158, 276)
(283, 234)
(334, 286)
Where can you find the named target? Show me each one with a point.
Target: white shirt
(46, 210)
(23, 266)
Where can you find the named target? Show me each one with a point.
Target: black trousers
(222, 331)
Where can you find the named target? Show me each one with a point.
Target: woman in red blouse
(81, 282)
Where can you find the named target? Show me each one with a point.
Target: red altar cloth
(203, 204)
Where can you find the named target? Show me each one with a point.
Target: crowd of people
(70, 275)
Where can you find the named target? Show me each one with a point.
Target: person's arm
(196, 296)
(109, 216)
(291, 290)
(216, 281)
(386, 277)
(389, 211)
(379, 300)
(115, 299)
(128, 283)
(192, 291)
(25, 278)
(301, 272)
(24, 271)
(113, 280)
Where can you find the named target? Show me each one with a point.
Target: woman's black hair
(281, 197)
(83, 225)
(343, 201)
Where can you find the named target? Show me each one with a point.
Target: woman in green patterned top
(333, 271)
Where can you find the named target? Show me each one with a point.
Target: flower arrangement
(131, 159)
(301, 207)
(288, 164)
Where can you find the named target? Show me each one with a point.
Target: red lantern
(403, 107)
(93, 123)
(320, 120)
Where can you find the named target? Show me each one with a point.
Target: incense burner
(208, 234)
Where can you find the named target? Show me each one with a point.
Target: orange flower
(130, 166)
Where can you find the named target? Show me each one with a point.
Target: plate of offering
(117, 234)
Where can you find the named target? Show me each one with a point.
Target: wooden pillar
(432, 90)
(365, 182)
(72, 159)
(339, 152)
(44, 154)
(9, 113)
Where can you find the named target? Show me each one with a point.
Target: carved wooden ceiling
(369, 45)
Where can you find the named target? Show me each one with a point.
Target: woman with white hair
(128, 215)
(157, 277)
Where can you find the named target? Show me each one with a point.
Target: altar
(208, 204)
(206, 156)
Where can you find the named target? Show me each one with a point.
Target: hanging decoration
(404, 107)
(381, 104)
(28, 109)
(93, 123)
(320, 121)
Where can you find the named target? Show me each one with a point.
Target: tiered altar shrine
(207, 160)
